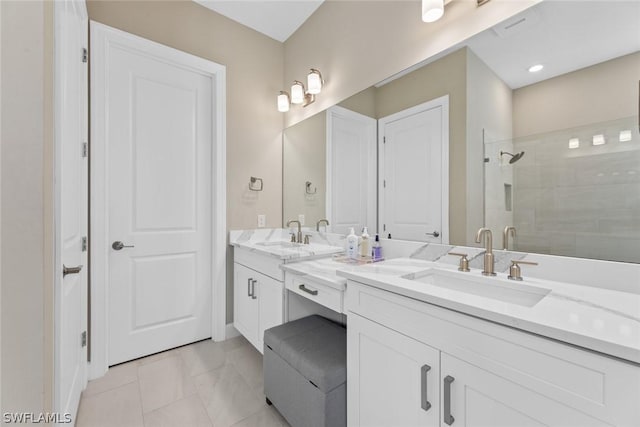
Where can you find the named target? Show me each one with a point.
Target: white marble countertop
(276, 243)
(603, 320)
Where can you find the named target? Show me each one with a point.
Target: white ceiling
(277, 19)
(563, 36)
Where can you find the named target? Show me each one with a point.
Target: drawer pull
(307, 290)
(424, 399)
(448, 418)
(253, 289)
(249, 287)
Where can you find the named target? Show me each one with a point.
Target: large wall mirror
(474, 138)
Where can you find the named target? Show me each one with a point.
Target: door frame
(102, 36)
(442, 102)
(337, 111)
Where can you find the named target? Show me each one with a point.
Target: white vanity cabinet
(258, 295)
(480, 373)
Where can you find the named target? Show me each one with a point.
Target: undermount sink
(280, 244)
(488, 287)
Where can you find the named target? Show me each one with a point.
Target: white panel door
(71, 205)
(159, 141)
(413, 176)
(351, 171)
(480, 398)
(395, 380)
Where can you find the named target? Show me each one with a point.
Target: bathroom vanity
(423, 350)
(258, 281)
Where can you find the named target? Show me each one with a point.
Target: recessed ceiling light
(625, 135)
(536, 68)
(574, 143)
(598, 139)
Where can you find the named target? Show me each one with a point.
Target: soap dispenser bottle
(352, 245)
(365, 244)
(376, 251)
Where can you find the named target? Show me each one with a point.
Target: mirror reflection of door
(413, 174)
(351, 171)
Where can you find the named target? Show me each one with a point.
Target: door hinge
(83, 339)
(85, 55)
(384, 183)
(384, 139)
(84, 243)
(384, 227)
(85, 149)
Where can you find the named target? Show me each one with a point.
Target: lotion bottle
(365, 244)
(352, 245)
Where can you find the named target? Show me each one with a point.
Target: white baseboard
(231, 332)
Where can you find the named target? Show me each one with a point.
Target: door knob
(117, 245)
(70, 270)
(434, 234)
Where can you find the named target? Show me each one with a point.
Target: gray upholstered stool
(305, 372)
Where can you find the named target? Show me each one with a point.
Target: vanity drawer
(315, 291)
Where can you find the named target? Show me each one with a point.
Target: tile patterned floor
(208, 384)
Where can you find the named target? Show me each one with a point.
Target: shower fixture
(514, 157)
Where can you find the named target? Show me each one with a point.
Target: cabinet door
(270, 296)
(481, 398)
(245, 306)
(392, 380)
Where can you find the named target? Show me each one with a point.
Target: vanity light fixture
(283, 102)
(536, 68)
(300, 94)
(314, 82)
(598, 139)
(574, 143)
(625, 136)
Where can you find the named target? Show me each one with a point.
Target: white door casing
(351, 171)
(158, 181)
(413, 166)
(71, 204)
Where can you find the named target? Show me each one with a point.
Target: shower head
(514, 157)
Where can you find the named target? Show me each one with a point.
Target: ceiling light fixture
(536, 68)
(300, 94)
(432, 10)
(574, 143)
(598, 139)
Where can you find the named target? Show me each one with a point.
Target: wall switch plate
(301, 219)
(262, 221)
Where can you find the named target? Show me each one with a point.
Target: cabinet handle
(424, 399)
(253, 289)
(307, 290)
(249, 287)
(448, 418)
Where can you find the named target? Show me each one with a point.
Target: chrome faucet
(488, 254)
(505, 236)
(326, 222)
(299, 235)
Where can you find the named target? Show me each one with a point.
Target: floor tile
(184, 412)
(119, 407)
(159, 356)
(234, 343)
(248, 362)
(203, 356)
(164, 381)
(115, 377)
(265, 417)
(227, 397)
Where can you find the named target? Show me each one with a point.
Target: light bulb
(297, 92)
(432, 10)
(283, 102)
(314, 82)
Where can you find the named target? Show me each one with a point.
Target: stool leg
(268, 401)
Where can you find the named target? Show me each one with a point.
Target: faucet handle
(293, 237)
(515, 273)
(464, 261)
(306, 239)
